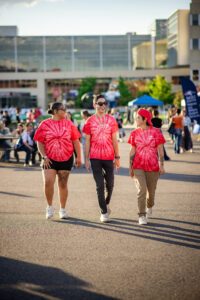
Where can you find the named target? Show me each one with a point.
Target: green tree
(177, 99)
(86, 88)
(160, 89)
(125, 94)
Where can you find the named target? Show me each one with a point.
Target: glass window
(86, 53)
(58, 54)
(195, 21)
(195, 75)
(7, 54)
(30, 54)
(195, 44)
(18, 83)
(115, 52)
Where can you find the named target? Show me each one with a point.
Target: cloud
(25, 2)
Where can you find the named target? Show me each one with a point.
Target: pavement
(80, 258)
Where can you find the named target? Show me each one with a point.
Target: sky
(86, 17)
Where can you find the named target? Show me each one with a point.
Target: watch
(117, 157)
(44, 157)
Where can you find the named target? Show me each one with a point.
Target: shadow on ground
(27, 281)
(165, 233)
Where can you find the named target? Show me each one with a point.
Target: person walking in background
(56, 139)
(157, 123)
(85, 115)
(177, 120)
(101, 151)
(171, 113)
(146, 162)
(187, 144)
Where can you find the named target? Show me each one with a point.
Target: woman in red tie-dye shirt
(146, 161)
(57, 138)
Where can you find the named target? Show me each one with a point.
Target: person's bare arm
(116, 150)
(161, 159)
(87, 152)
(77, 148)
(46, 160)
(131, 158)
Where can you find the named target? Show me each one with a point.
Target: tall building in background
(194, 30)
(178, 39)
(159, 26)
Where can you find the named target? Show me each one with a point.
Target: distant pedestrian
(102, 153)
(187, 143)
(157, 122)
(56, 139)
(177, 120)
(146, 162)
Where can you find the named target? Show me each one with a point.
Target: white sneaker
(49, 212)
(104, 218)
(149, 212)
(108, 210)
(142, 220)
(63, 214)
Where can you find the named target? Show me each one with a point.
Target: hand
(161, 170)
(117, 164)
(131, 171)
(87, 164)
(78, 162)
(46, 163)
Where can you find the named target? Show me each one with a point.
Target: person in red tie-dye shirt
(57, 138)
(102, 152)
(146, 161)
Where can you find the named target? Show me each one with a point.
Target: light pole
(153, 49)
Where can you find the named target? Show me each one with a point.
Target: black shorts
(61, 165)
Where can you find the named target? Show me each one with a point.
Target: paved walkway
(82, 259)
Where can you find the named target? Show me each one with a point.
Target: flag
(192, 100)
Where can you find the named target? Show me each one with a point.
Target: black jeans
(103, 173)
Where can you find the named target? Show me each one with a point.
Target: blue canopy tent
(145, 100)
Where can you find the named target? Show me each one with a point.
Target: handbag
(171, 128)
(196, 129)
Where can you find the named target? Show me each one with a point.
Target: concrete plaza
(80, 258)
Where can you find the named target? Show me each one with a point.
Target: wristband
(44, 157)
(117, 157)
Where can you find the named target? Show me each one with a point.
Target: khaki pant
(146, 186)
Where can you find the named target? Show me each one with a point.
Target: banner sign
(192, 100)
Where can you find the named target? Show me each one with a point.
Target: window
(195, 75)
(18, 83)
(195, 20)
(7, 54)
(195, 44)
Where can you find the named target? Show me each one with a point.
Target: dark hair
(143, 118)
(54, 106)
(28, 124)
(86, 113)
(97, 97)
(155, 113)
(178, 111)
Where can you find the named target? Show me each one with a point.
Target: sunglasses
(102, 103)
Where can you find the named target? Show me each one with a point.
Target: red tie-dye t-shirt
(100, 131)
(146, 143)
(57, 137)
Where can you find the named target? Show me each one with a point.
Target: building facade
(194, 30)
(178, 39)
(34, 69)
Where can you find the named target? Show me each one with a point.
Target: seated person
(26, 144)
(5, 144)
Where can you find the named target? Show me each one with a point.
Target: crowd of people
(57, 141)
